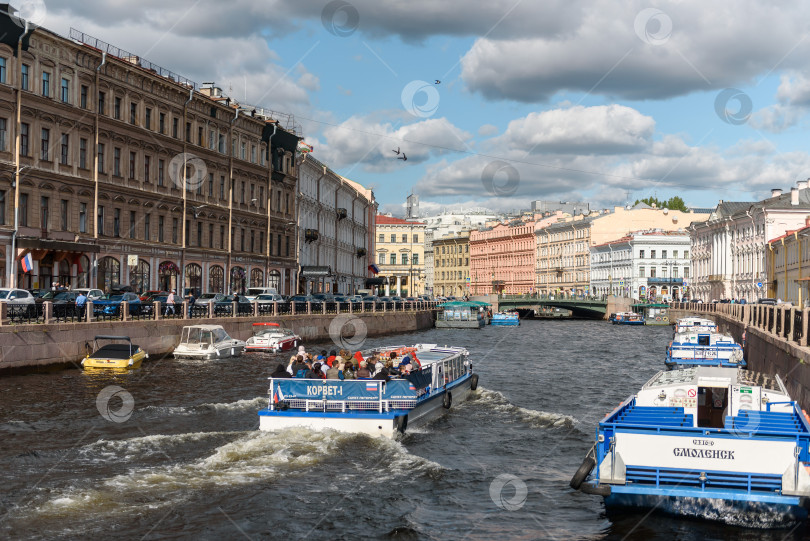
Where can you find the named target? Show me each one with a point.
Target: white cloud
(487, 130)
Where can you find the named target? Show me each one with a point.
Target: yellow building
(451, 259)
(400, 256)
(788, 262)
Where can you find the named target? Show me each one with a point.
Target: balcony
(658, 280)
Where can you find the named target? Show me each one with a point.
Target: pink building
(502, 259)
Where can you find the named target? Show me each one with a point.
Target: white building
(336, 230)
(643, 265)
(728, 250)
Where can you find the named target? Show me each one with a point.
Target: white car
(254, 292)
(16, 296)
(266, 298)
(91, 294)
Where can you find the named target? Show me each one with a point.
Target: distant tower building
(573, 208)
(412, 205)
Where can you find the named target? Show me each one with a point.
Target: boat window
(220, 335)
(712, 405)
(704, 340)
(206, 337)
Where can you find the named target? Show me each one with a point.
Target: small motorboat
(444, 377)
(126, 356)
(207, 342)
(505, 319)
(628, 318)
(272, 337)
(704, 442)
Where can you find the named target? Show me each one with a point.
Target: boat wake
(754, 515)
(133, 449)
(240, 406)
(540, 419)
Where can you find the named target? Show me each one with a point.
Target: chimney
(802, 184)
(776, 192)
(794, 196)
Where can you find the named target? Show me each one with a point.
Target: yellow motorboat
(126, 356)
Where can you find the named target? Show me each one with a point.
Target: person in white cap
(169, 303)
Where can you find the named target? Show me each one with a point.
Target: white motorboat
(207, 342)
(272, 337)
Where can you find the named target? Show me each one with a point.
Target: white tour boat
(272, 337)
(695, 324)
(696, 348)
(704, 438)
(207, 342)
(370, 406)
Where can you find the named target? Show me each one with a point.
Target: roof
(390, 220)
(788, 233)
(204, 327)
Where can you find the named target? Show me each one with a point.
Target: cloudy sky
(502, 102)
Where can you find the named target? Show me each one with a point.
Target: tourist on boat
(390, 368)
(302, 351)
(348, 370)
(316, 372)
(280, 372)
(299, 367)
(358, 357)
(334, 373)
(332, 357)
(381, 373)
(363, 372)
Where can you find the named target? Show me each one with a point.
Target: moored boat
(207, 342)
(122, 356)
(703, 438)
(695, 324)
(653, 314)
(704, 349)
(461, 315)
(628, 318)
(272, 337)
(370, 406)
(505, 319)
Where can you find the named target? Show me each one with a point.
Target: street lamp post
(13, 278)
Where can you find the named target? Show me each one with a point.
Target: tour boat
(653, 313)
(272, 337)
(628, 318)
(704, 349)
(505, 319)
(704, 439)
(374, 407)
(461, 315)
(125, 356)
(696, 324)
(207, 342)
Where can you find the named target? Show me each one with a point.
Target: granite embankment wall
(775, 339)
(26, 346)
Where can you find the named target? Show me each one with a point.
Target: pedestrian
(169, 304)
(81, 302)
(191, 300)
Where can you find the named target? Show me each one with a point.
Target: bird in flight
(438, 82)
(396, 151)
(403, 157)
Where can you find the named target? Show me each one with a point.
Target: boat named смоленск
(703, 438)
(697, 348)
(370, 406)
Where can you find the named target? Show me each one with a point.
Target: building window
(244, 151)
(83, 96)
(3, 133)
(252, 239)
(415, 259)
(2, 70)
(43, 213)
(188, 132)
(65, 149)
(100, 157)
(222, 237)
(394, 239)
(24, 139)
(210, 235)
(242, 196)
(65, 90)
(287, 203)
(82, 217)
(133, 113)
(200, 136)
(46, 141)
(132, 224)
(261, 240)
(278, 245)
(253, 153)
(686, 254)
(174, 230)
(288, 245)
(117, 162)
(381, 259)
(212, 139)
(199, 234)
(161, 171)
(147, 119)
(221, 144)
(222, 187)
(211, 184)
(242, 239)
(663, 254)
(175, 127)
(147, 227)
(63, 207)
(416, 239)
(686, 273)
(83, 153)
(160, 228)
(652, 254)
(252, 193)
(23, 209)
(393, 259)
(675, 272)
(116, 222)
(101, 96)
(100, 221)
(117, 108)
(652, 272)
(261, 196)
(46, 84)
(24, 81)
(675, 254)
(147, 162)
(162, 122)
(131, 165)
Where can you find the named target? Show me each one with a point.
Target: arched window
(64, 272)
(274, 279)
(109, 273)
(237, 280)
(216, 279)
(256, 278)
(139, 276)
(82, 274)
(194, 278)
(167, 276)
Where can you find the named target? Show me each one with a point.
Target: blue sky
(554, 100)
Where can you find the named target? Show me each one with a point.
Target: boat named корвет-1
(374, 407)
(702, 439)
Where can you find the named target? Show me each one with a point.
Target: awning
(57, 245)
(376, 281)
(316, 272)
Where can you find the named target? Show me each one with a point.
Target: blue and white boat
(374, 407)
(698, 440)
(704, 349)
(505, 319)
(628, 318)
(695, 324)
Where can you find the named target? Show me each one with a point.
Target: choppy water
(190, 462)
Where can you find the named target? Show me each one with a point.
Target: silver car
(16, 296)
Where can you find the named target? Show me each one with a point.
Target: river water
(190, 463)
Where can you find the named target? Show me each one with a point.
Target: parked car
(267, 298)
(358, 298)
(254, 292)
(207, 298)
(147, 296)
(91, 294)
(767, 301)
(111, 303)
(18, 297)
(38, 292)
(225, 306)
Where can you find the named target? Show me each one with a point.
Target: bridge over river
(579, 307)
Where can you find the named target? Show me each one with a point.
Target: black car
(225, 306)
(767, 301)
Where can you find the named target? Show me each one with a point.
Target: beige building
(400, 256)
(451, 258)
(563, 248)
(116, 171)
(788, 263)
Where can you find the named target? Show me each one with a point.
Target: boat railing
(357, 395)
(380, 406)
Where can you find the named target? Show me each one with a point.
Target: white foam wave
(132, 448)
(499, 402)
(248, 404)
(754, 515)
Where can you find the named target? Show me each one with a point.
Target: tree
(673, 203)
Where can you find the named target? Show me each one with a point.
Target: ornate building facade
(400, 254)
(451, 256)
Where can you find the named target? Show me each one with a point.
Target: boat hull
(225, 353)
(385, 424)
(124, 364)
(460, 324)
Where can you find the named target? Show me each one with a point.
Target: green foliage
(674, 203)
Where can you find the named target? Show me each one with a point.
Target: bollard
(186, 313)
(255, 308)
(47, 311)
(89, 311)
(803, 338)
(4, 313)
(156, 307)
(211, 309)
(234, 309)
(275, 308)
(124, 310)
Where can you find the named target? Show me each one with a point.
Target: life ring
(657, 318)
(474, 382)
(402, 423)
(447, 401)
(665, 318)
(583, 471)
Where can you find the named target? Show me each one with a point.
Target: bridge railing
(783, 321)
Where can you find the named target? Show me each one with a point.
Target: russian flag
(374, 268)
(277, 396)
(26, 263)
(411, 387)
(371, 386)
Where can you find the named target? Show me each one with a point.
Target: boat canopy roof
(203, 327)
(650, 305)
(112, 337)
(713, 376)
(464, 304)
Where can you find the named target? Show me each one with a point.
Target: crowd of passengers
(344, 365)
